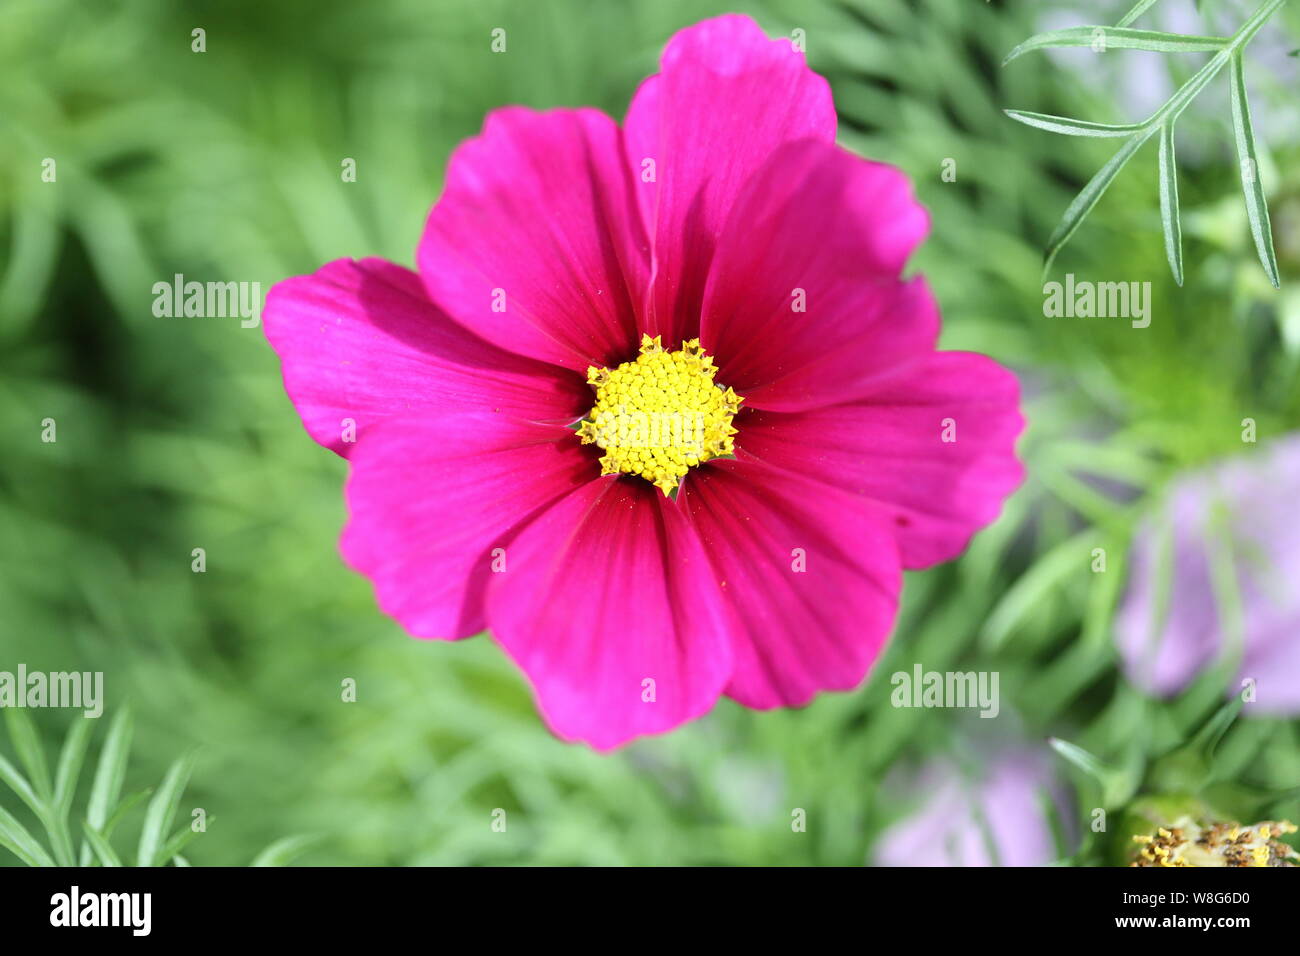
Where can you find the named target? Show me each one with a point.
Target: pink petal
(796, 632)
(804, 306)
(606, 590)
(726, 98)
(430, 498)
(889, 447)
(536, 243)
(362, 341)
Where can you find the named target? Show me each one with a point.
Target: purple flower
(1242, 513)
(999, 818)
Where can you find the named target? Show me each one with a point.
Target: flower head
(1188, 843)
(657, 409)
(1230, 545)
(660, 414)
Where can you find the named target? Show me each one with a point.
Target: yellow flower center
(660, 414)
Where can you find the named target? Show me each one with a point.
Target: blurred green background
(175, 433)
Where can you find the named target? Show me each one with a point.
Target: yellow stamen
(660, 414)
(1189, 843)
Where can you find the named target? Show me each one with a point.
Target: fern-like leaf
(1227, 52)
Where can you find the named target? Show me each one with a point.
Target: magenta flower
(765, 435)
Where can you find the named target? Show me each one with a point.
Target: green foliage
(105, 808)
(1228, 51)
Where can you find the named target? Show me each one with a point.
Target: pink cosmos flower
(764, 431)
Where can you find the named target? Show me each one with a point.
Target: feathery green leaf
(15, 781)
(162, 811)
(1261, 229)
(15, 838)
(1227, 51)
(111, 769)
(103, 849)
(71, 759)
(1169, 215)
(1137, 11)
(283, 852)
(22, 732)
(1117, 38)
(1073, 127)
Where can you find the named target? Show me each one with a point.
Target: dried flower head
(1188, 843)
